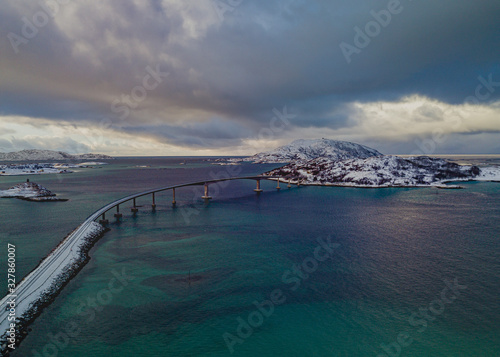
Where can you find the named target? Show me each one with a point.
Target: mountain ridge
(37, 154)
(303, 150)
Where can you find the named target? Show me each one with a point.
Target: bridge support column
(258, 190)
(289, 184)
(206, 196)
(118, 215)
(134, 208)
(278, 187)
(154, 202)
(173, 197)
(103, 221)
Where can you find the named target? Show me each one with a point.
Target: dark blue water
(195, 275)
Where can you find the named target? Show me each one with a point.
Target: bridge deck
(118, 202)
(31, 286)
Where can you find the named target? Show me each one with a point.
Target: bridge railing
(206, 183)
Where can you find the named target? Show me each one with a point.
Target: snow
(491, 173)
(30, 191)
(380, 171)
(342, 163)
(304, 150)
(34, 169)
(48, 277)
(226, 163)
(26, 190)
(38, 155)
(91, 163)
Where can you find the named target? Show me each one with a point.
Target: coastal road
(60, 259)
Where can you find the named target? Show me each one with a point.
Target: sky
(236, 77)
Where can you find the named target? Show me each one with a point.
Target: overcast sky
(234, 77)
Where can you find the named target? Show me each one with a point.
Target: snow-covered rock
(381, 171)
(91, 156)
(306, 150)
(34, 169)
(45, 168)
(30, 191)
(490, 173)
(39, 155)
(91, 163)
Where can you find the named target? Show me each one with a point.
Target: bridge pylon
(103, 221)
(206, 196)
(258, 189)
(118, 215)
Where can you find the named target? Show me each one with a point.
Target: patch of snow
(229, 163)
(92, 163)
(491, 173)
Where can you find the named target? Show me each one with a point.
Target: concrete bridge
(29, 290)
(116, 204)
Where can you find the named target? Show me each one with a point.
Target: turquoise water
(196, 271)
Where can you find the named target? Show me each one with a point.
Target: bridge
(53, 267)
(116, 204)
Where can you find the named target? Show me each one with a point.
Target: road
(28, 290)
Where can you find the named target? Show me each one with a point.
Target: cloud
(227, 74)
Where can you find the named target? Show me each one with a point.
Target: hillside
(306, 150)
(42, 155)
(382, 171)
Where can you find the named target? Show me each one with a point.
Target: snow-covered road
(47, 277)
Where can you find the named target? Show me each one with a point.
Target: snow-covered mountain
(30, 191)
(41, 155)
(306, 150)
(381, 171)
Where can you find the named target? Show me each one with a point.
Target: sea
(300, 271)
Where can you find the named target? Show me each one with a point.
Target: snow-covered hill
(30, 191)
(42, 155)
(35, 169)
(306, 150)
(381, 171)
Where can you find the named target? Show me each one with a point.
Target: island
(31, 162)
(30, 191)
(341, 163)
(37, 155)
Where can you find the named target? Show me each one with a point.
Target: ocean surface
(305, 271)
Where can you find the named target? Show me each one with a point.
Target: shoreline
(38, 199)
(65, 274)
(440, 184)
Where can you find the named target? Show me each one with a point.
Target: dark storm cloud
(262, 55)
(213, 133)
